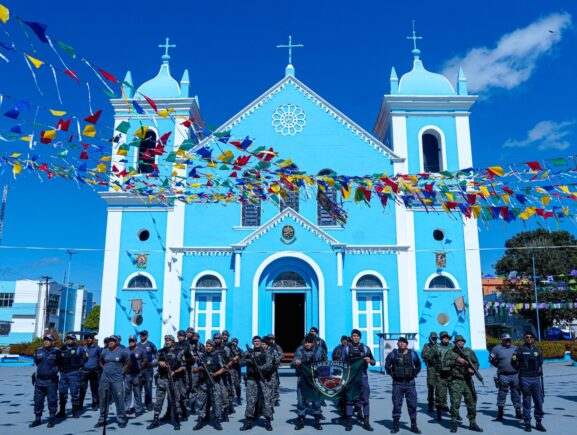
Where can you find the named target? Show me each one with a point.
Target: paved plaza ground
(16, 397)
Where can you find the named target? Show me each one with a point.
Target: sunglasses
(527, 337)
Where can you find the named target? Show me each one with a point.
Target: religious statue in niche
(441, 260)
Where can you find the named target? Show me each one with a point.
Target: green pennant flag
(171, 158)
(67, 48)
(186, 145)
(222, 133)
(123, 127)
(559, 161)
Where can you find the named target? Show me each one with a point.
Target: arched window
(208, 282)
(289, 280)
(292, 196)
(432, 157)
(251, 207)
(441, 281)
(369, 282)
(140, 282)
(146, 154)
(325, 201)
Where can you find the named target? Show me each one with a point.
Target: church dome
(163, 85)
(419, 81)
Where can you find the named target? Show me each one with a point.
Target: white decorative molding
(383, 291)
(449, 103)
(289, 119)
(457, 287)
(140, 273)
(374, 249)
(204, 251)
(440, 136)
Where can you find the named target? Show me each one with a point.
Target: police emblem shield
(330, 377)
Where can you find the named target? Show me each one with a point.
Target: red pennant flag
(83, 155)
(509, 191)
(391, 183)
(63, 125)
(471, 198)
(72, 74)
(108, 76)
(93, 119)
(535, 166)
(188, 122)
(164, 137)
(151, 102)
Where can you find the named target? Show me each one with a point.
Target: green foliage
(548, 261)
(574, 352)
(93, 318)
(29, 349)
(550, 349)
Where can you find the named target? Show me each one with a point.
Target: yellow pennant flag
(476, 209)
(226, 156)
(89, 130)
(450, 196)
(36, 62)
(497, 170)
(275, 188)
(101, 168)
(211, 164)
(105, 158)
(141, 132)
(505, 198)
(17, 168)
(565, 189)
(484, 191)
(545, 200)
(57, 112)
(4, 14)
(26, 138)
(122, 152)
(15, 155)
(50, 134)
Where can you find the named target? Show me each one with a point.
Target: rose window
(288, 119)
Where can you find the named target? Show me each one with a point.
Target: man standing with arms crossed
(507, 378)
(150, 352)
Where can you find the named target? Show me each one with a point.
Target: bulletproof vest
(46, 363)
(259, 356)
(171, 356)
(212, 361)
(224, 352)
(403, 367)
(529, 361)
(356, 351)
(309, 355)
(149, 350)
(442, 350)
(136, 356)
(72, 358)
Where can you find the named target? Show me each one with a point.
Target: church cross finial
(414, 37)
(166, 46)
(290, 47)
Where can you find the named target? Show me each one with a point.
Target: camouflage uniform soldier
(195, 347)
(184, 381)
(275, 380)
(259, 368)
(224, 352)
(428, 354)
(170, 364)
(209, 394)
(235, 370)
(443, 373)
(462, 385)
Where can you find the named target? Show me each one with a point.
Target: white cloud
(547, 134)
(514, 58)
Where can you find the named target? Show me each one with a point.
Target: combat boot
(50, 422)
(349, 424)
(37, 422)
(317, 423)
(518, 413)
(367, 424)
(225, 416)
(300, 423)
(500, 413)
(454, 426)
(248, 424)
(267, 424)
(415, 428)
(75, 411)
(199, 424)
(81, 402)
(62, 412)
(474, 426)
(527, 426)
(395, 427)
(155, 423)
(439, 413)
(183, 412)
(95, 406)
(217, 424)
(539, 426)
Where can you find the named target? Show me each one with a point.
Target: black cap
(403, 339)
(528, 333)
(356, 331)
(181, 333)
(310, 338)
(48, 337)
(132, 338)
(216, 335)
(266, 340)
(257, 337)
(143, 332)
(314, 328)
(189, 330)
(114, 338)
(89, 335)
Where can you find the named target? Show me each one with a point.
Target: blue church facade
(284, 267)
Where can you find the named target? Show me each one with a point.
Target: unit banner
(332, 380)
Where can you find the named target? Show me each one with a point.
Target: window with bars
(292, 200)
(289, 280)
(6, 300)
(251, 214)
(432, 157)
(140, 282)
(369, 281)
(441, 282)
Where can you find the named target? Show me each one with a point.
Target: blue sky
(519, 56)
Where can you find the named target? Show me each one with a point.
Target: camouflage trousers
(162, 389)
(431, 385)
(441, 389)
(275, 386)
(209, 397)
(258, 393)
(463, 389)
(235, 376)
(193, 389)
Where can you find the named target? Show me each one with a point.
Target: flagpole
(536, 296)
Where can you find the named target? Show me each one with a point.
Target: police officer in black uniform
(71, 361)
(196, 347)
(403, 365)
(528, 359)
(45, 380)
(90, 372)
(150, 352)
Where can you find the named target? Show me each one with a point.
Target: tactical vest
(309, 356)
(356, 352)
(529, 364)
(441, 364)
(403, 366)
(259, 356)
(212, 362)
(72, 358)
(47, 363)
(172, 358)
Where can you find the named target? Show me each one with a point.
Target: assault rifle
(171, 387)
(251, 356)
(469, 363)
(106, 406)
(203, 365)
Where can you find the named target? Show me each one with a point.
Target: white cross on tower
(414, 37)
(290, 47)
(166, 46)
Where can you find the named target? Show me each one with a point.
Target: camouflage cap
(460, 338)
(210, 342)
(169, 337)
(433, 335)
(444, 334)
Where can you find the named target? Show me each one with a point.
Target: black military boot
(50, 422)
(527, 426)
(439, 413)
(300, 423)
(225, 416)
(367, 424)
(199, 424)
(349, 424)
(395, 427)
(414, 427)
(155, 423)
(248, 424)
(75, 411)
(454, 425)
(500, 413)
(317, 423)
(183, 412)
(95, 406)
(217, 424)
(37, 422)
(539, 426)
(62, 412)
(518, 413)
(267, 424)
(474, 426)
(81, 402)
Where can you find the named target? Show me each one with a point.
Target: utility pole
(2, 210)
(536, 296)
(45, 307)
(67, 284)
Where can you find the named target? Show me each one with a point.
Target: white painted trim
(441, 138)
(431, 277)
(383, 290)
(110, 273)
(193, 290)
(474, 284)
(209, 272)
(173, 270)
(464, 142)
(78, 314)
(339, 268)
(146, 274)
(369, 272)
(288, 254)
(237, 266)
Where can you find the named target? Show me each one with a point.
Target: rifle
(469, 363)
(171, 387)
(251, 356)
(106, 404)
(203, 364)
(542, 386)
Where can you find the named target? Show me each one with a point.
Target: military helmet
(169, 337)
(459, 338)
(433, 335)
(444, 334)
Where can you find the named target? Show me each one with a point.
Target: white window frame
(135, 274)
(446, 275)
(214, 290)
(435, 131)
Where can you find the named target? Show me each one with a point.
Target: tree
(549, 259)
(93, 318)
